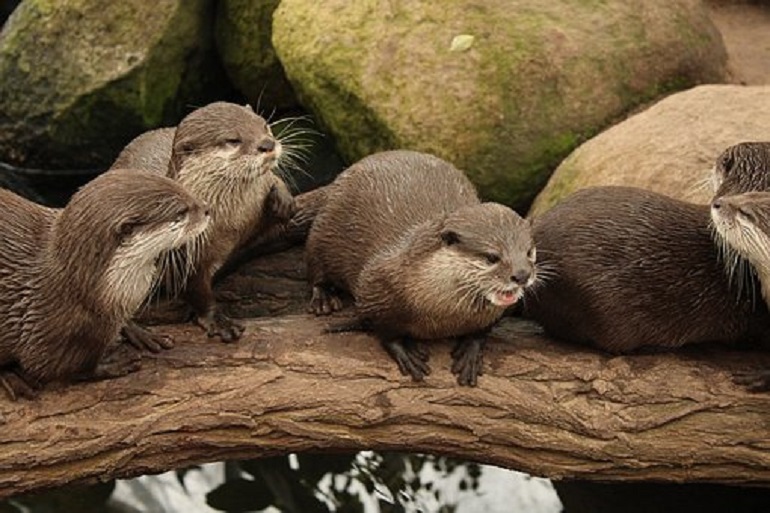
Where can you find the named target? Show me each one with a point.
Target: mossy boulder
(669, 148)
(80, 78)
(502, 88)
(244, 31)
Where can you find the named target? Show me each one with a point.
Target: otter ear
(450, 237)
(726, 161)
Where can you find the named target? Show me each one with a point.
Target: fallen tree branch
(541, 407)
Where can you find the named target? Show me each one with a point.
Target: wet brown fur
(225, 155)
(58, 314)
(406, 234)
(629, 268)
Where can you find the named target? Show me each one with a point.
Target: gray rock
(504, 89)
(82, 77)
(244, 31)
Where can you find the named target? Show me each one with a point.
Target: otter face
(113, 230)
(492, 249)
(222, 145)
(743, 222)
(743, 167)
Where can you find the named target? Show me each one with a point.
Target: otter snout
(521, 276)
(266, 145)
(723, 212)
(198, 219)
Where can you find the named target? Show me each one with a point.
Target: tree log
(542, 407)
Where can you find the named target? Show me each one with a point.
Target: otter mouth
(503, 298)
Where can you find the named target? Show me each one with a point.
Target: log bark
(541, 407)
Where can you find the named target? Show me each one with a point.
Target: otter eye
(449, 237)
(126, 229)
(492, 258)
(181, 215)
(233, 141)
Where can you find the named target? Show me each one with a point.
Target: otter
(742, 221)
(406, 234)
(71, 278)
(742, 167)
(625, 269)
(224, 154)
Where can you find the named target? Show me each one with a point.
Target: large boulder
(80, 78)
(244, 30)
(669, 148)
(502, 88)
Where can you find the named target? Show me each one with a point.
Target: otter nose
(266, 145)
(521, 276)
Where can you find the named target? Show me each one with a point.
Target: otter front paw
(219, 325)
(754, 381)
(468, 361)
(412, 360)
(142, 338)
(281, 204)
(324, 301)
(17, 386)
(119, 361)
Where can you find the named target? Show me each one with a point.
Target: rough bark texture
(541, 407)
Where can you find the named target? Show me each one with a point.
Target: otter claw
(468, 361)
(324, 301)
(281, 203)
(122, 360)
(219, 325)
(412, 360)
(142, 338)
(754, 381)
(17, 387)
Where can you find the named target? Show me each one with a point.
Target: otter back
(379, 202)
(631, 268)
(150, 151)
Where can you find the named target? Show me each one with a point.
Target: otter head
(222, 146)
(743, 167)
(743, 222)
(491, 249)
(111, 233)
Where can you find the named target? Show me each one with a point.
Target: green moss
(81, 78)
(541, 77)
(243, 32)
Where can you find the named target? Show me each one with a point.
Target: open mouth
(503, 298)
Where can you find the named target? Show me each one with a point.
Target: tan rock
(669, 148)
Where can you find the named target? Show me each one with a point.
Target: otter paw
(754, 381)
(324, 301)
(119, 361)
(142, 338)
(412, 360)
(17, 387)
(468, 361)
(281, 203)
(219, 325)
